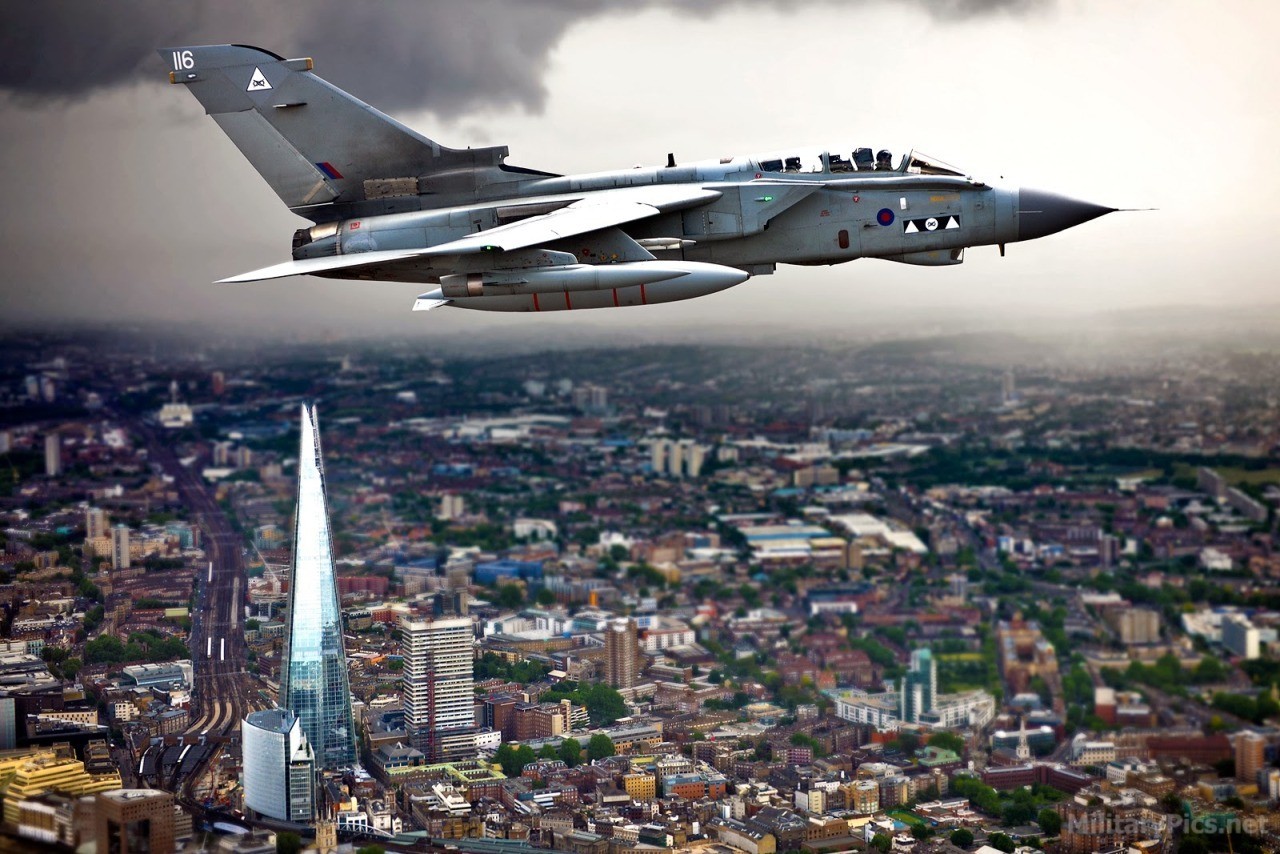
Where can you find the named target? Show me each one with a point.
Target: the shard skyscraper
(313, 674)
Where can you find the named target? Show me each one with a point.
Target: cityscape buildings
(279, 766)
(52, 455)
(806, 639)
(313, 675)
(621, 646)
(919, 686)
(437, 684)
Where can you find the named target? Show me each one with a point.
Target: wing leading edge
(605, 210)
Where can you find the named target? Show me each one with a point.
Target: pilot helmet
(883, 156)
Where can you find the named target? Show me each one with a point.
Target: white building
(1240, 636)
(1085, 753)
(878, 710)
(973, 709)
(279, 766)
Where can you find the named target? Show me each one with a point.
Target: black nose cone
(1041, 213)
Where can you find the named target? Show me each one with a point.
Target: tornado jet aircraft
(389, 204)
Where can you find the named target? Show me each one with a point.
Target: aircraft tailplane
(317, 146)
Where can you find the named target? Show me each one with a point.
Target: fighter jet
(389, 204)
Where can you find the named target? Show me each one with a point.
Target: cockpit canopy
(845, 160)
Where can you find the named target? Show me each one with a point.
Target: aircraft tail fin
(317, 146)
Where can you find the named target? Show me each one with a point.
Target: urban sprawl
(935, 595)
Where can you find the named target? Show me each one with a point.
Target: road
(223, 692)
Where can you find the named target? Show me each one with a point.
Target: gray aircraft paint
(392, 205)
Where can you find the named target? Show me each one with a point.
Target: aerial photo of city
(790, 556)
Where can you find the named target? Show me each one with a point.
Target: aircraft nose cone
(1041, 213)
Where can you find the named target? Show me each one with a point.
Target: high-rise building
(313, 670)
(1241, 636)
(95, 523)
(438, 686)
(53, 455)
(658, 456)
(919, 686)
(134, 821)
(279, 766)
(1250, 755)
(120, 547)
(1138, 626)
(621, 649)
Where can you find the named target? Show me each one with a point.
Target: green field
(959, 656)
(1235, 476)
(906, 817)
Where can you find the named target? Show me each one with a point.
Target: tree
(506, 757)
(600, 746)
(962, 837)
(546, 597)
(571, 752)
(524, 756)
(288, 843)
(882, 842)
(909, 742)
(548, 752)
(921, 831)
(604, 704)
(948, 741)
(1002, 841)
(1050, 822)
(371, 849)
(510, 596)
(1193, 844)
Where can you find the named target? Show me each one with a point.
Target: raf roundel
(885, 217)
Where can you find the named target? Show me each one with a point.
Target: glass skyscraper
(919, 686)
(313, 674)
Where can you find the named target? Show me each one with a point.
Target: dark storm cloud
(453, 55)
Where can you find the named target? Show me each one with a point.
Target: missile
(573, 277)
(585, 286)
(210, 571)
(222, 649)
(208, 647)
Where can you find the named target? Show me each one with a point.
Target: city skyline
(314, 683)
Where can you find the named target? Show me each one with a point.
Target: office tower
(452, 506)
(120, 547)
(675, 459)
(1241, 636)
(134, 821)
(313, 669)
(621, 648)
(95, 523)
(1250, 756)
(279, 766)
(919, 686)
(53, 455)
(695, 458)
(438, 686)
(658, 456)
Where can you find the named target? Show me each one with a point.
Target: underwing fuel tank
(585, 286)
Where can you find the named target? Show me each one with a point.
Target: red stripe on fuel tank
(536, 307)
(568, 306)
(644, 298)
(615, 297)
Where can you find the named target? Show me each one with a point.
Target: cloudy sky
(126, 202)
